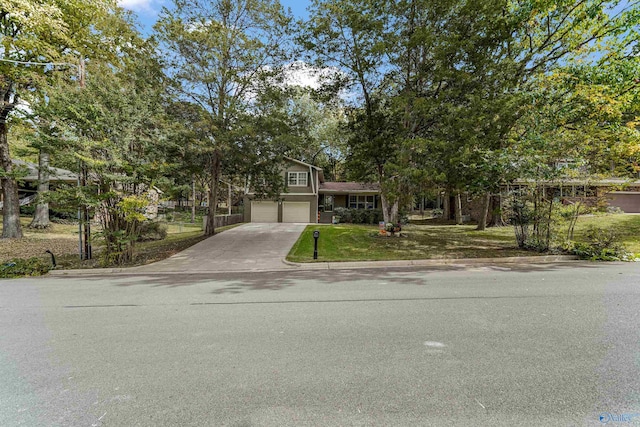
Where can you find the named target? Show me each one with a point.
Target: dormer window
(297, 179)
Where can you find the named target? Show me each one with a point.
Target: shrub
(344, 214)
(27, 210)
(19, 267)
(152, 230)
(359, 216)
(601, 245)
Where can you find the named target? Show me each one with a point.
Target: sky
(148, 10)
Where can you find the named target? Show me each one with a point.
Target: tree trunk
(11, 208)
(446, 206)
(458, 209)
(496, 210)
(213, 195)
(482, 223)
(389, 211)
(193, 206)
(41, 214)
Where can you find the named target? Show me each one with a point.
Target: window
(327, 203)
(362, 202)
(297, 179)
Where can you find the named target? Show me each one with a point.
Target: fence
(222, 220)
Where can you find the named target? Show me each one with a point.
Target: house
(30, 179)
(308, 198)
(612, 192)
(28, 182)
(352, 195)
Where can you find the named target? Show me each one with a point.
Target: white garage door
(296, 212)
(264, 212)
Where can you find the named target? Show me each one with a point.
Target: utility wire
(37, 63)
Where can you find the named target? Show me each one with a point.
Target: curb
(544, 259)
(345, 265)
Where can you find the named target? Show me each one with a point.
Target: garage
(296, 212)
(264, 211)
(628, 201)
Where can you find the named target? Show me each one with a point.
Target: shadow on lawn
(237, 283)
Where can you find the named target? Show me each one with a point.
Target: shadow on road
(240, 282)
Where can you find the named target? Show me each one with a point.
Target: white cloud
(302, 74)
(137, 5)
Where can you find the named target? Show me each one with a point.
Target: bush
(27, 210)
(20, 267)
(601, 245)
(359, 216)
(152, 230)
(344, 214)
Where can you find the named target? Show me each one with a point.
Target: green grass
(347, 242)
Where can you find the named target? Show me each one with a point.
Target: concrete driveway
(244, 248)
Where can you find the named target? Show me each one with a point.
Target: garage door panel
(264, 212)
(629, 203)
(296, 212)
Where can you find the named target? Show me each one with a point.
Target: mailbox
(316, 234)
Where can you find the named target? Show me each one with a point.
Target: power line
(37, 63)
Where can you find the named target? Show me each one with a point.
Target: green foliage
(225, 58)
(359, 216)
(152, 230)
(115, 130)
(602, 245)
(24, 267)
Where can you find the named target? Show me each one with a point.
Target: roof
(349, 187)
(56, 174)
(302, 163)
(594, 182)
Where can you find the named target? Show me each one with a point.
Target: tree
(318, 125)
(224, 55)
(37, 39)
(463, 70)
(353, 36)
(114, 128)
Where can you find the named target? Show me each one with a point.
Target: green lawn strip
(348, 242)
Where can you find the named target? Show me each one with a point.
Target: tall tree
(33, 35)
(224, 54)
(353, 36)
(114, 128)
(463, 68)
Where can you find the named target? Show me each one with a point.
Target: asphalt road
(548, 345)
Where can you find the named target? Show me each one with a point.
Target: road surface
(501, 346)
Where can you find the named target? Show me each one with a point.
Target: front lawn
(348, 242)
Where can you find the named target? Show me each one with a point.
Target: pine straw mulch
(59, 239)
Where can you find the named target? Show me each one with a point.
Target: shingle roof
(349, 187)
(56, 174)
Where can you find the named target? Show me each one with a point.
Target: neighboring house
(28, 184)
(616, 192)
(613, 192)
(308, 198)
(30, 180)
